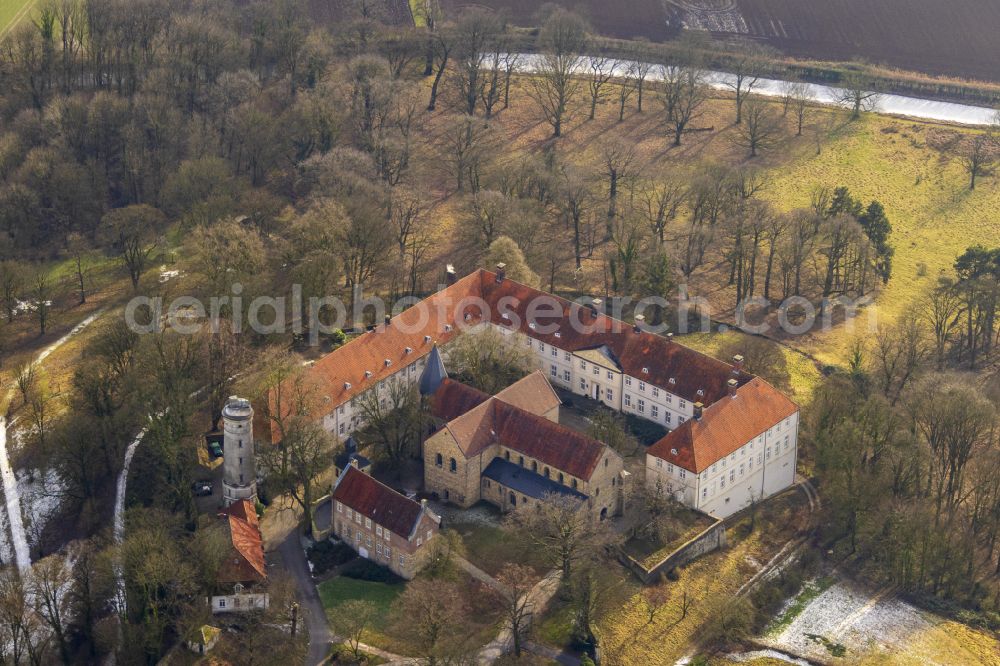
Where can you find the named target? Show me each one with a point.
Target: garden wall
(711, 539)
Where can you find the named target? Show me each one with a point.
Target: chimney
(450, 277)
(501, 272)
(737, 364)
(698, 407)
(670, 337)
(595, 306)
(732, 384)
(639, 321)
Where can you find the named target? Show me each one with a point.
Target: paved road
(309, 603)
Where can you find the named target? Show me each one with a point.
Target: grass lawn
(12, 11)
(910, 166)
(490, 547)
(339, 590)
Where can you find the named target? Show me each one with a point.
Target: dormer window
(701, 392)
(673, 381)
(558, 334)
(505, 316)
(408, 350)
(427, 339)
(468, 316)
(447, 328)
(388, 362)
(347, 386)
(368, 373)
(645, 371)
(673, 452)
(531, 325)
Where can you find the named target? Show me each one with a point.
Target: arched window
(452, 465)
(520, 461)
(506, 454)
(438, 460)
(546, 472)
(561, 477)
(534, 466)
(574, 484)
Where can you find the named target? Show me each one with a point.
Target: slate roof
(377, 501)
(525, 481)
(433, 374)
(246, 562)
(724, 427)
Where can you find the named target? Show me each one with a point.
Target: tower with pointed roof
(239, 473)
(433, 374)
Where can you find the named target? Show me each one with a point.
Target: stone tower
(239, 472)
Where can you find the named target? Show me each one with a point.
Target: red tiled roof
(340, 374)
(497, 422)
(724, 427)
(571, 327)
(246, 562)
(453, 398)
(532, 393)
(377, 501)
(548, 442)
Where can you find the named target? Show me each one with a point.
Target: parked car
(215, 449)
(202, 488)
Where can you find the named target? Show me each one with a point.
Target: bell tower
(239, 474)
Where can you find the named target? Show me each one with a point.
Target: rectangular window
(670, 468)
(628, 399)
(541, 346)
(628, 381)
(732, 476)
(368, 523)
(670, 399)
(378, 548)
(583, 384)
(402, 560)
(704, 493)
(357, 517)
(654, 411)
(659, 463)
(610, 395)
(555, 352)
(656, 392)
(340, 508)
(583, 365)
(565, 356)
(387, 551)
(611, 375)
(680, 419)
(668, 417)
(378, 530)
(341, 428)
(642, 386)
(554, 371)
(566, 375)
(683, 472)
(722, 482)
(642, 406)
(683, 404)
(349, 513)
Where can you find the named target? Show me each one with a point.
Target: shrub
(362, 569)
(326, 555)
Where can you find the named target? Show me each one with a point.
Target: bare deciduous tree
(561, 41)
